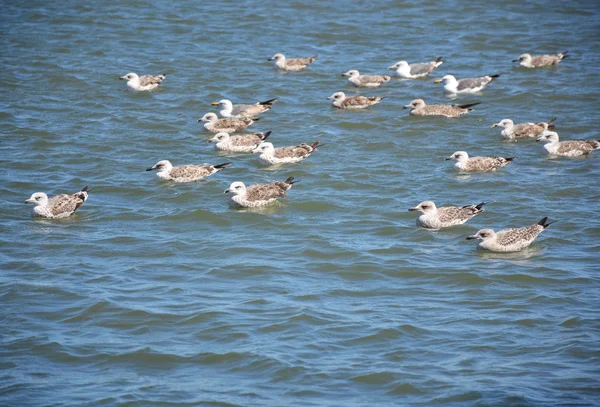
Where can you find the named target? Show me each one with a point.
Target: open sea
(159, 294)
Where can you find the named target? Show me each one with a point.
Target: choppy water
(159, 294)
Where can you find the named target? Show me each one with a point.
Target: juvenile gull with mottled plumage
(417, 70)
(514, 131)
(144, 82)
(433, 217)
(341, 101)
(238, 143)
(60, 206)
(466, 85)
(225, 125)
(185, 173)
(292, 64)
(228, 109)
(510, 240)
(528, 61)
(569, 148)
(478, 164)
(419, 108)
(258, 194)
(284, 155)
(365, 81)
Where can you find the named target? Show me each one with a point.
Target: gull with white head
(433, 217)
(284, 155)
(292, 64)
(510, 240)
(569, 148)
(239, 143)
(365, 81)
(417, 70)
(341, 101)
(60, 206)
(466, 85)
(257, 194)
(185, 173)
(226, 125)
(144, 82)
(228, 109)
(478, 164)
(514, 131)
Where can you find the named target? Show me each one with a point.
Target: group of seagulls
(236, 118)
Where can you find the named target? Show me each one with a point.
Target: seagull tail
(315, 145)
(468, 106)
(438, 59)
(495, 76)
(545, 222)
(509, 158)
(551, 121)
(480, 206)
(290, 181)
(265, 136)
(563, 55)
(268, 102)
(84, 189)
(221, 166)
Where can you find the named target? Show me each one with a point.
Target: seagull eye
(424, 206)
(38, 198)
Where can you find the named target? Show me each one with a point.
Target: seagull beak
(122, 77)
(437, 81)
(226, 191)
(215, 104)
(494, 125)
(413, 209)
(150, 169)
(516, 60)
(343, 74)
(29, 200)
(390, 68)
(538, 139)
(448, 158)
(471, 237)
(270, 59)
(199, 120)
(407, 107)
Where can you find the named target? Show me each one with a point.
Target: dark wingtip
(315, 145)
(510, 158)
(495, 76)
(221, 165)
(84, 189)
(545, 222)
(438, 59)
(290, 180)
(266, 135)
(268, 102)
(256, 118)
(481, 205)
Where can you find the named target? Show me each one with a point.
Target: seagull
(60, 206)
(341, 101)
(228, 109)
(413, 71)
(528, 61)
(570, 148)
(467, 85)
(144, 82)
(292, 154)
(366, 81)
(419, 108)
(240, 143)
(510, 240)
(514, 131)
(292, 64)
(184, 173)
(258, 194)
(225, 125)
(478, 164)
(436, 218)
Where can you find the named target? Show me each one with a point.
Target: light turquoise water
(159, 294)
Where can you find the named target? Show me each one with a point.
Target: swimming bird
(528, 61)
(226, 125)
(510, 240)
(366, 81)
(257, 194)
(228, 109)
(417, 70)
(144, 82)
(478, 164)
(569, 148)
(433, 217)
(60, 206)
(419, 108)
(185, 173)
(284, 155)
(239, 143)
(466, 85)
(514, 131)
(341, 101)
(292, 64)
